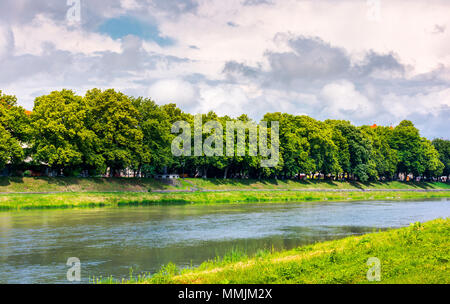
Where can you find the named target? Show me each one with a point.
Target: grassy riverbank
(43, 193)
(247, 184)
(11, 202)
(419, 253)
(71, 184)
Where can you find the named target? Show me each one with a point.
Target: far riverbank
(16, 202)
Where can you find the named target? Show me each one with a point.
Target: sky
(366, 61)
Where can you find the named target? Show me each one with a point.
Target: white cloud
(223, 99)
(173, 91)
(6, 41)
(32, 38)
(323, 58)
(130, 4)
(342, 100)
(405, 29)
(432, 103)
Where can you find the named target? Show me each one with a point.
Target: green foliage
(57, 129)
(384, 157)
(114, 120)
(107, 132)
(416, 155)
(443, 148)
(430, 159)
(360, 151)
(155, 124)
(13, 129)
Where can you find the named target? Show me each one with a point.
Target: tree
(204, 163)
(362, 164)
(182, 164)
(59, 134)
(443, 148)
(430, 159)
(154, 122)
(294, 145)
(109, 130)
(343, 153)
(13, 130)
(406, 140)
(114, 119)
(385, 158)
(416, 155)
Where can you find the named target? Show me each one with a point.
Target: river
(35, 245)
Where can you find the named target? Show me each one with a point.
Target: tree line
(105, 132)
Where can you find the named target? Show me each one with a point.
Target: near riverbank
(418, 254)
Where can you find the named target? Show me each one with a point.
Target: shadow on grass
(5, 181)
(121, 183)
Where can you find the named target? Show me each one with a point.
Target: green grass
(416, 254)
(11, 202)
(241, 184)
(20, 193)
(72, 184)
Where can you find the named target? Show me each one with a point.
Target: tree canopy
(13, 130)
(106, 132)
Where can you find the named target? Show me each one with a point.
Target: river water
(35, 245)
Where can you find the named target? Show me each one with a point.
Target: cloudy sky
(367, 61)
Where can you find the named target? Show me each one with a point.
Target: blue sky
(373, 61)
(122, 26)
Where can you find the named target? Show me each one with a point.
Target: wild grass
(418, 254)
(72, 184)
(15, 202)
(241, 184)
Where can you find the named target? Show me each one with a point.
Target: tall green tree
(294, 145)
(443, 148)
(13, 130)
(155, 125)
(60, 137)
(360, 151)
(417, 156)
(406, 140)
(114, 119)
(430, 159)
(384, 157)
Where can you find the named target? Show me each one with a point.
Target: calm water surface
(35, 245)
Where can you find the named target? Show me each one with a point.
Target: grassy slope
(416, 254)
(96, 192)
(71, 184)
(79, 200)
(226, 184)
(67, 184)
